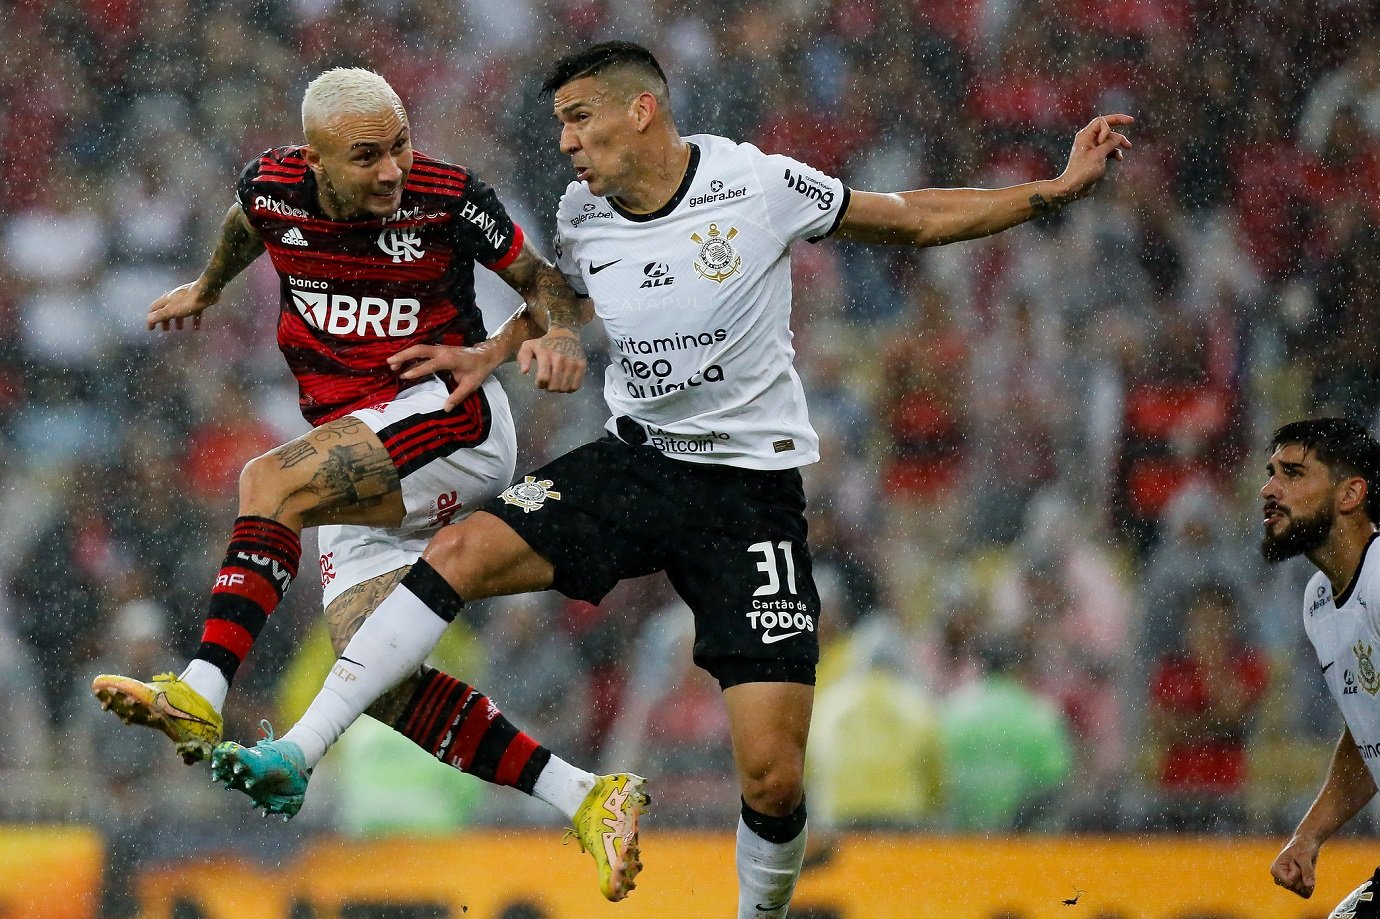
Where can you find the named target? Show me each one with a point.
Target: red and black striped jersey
(355, 292)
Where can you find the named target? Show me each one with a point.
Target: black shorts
(1363, 902)
(731, 540)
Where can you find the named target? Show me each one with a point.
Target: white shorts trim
(443, 491)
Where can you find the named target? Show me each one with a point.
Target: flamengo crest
(718, 260)
(403, 245)
(529, 494)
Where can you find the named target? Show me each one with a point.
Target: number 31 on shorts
(769, 567)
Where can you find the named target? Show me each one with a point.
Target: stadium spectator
(1007, 751)
(1203, 699)
(875, 720)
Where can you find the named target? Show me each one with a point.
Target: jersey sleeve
(564, 247)
(244, 188)
(483, 227)
(1368, 585)
(802, 202)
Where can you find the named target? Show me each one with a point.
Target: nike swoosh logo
(356, 663)
(595, 269)
(1326, 665)
(164, 707)
(771, 909)
(770, 639)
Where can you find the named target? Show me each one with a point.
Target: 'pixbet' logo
(342, 315)
(403, 245)
(274, 206)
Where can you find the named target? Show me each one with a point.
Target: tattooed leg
(452, 720)
(347, 612)
(339, 473)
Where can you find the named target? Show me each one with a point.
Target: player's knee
(459, 554)
(775, 789)
(260, 481)
(449, 545)
(482, 557)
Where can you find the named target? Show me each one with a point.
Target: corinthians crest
(1370, 680)
(718, 260)
(529, 494)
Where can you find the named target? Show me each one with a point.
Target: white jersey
(1345, 632)
(696, 301)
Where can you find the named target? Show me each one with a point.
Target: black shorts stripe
(420, 439)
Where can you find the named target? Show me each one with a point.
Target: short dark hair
(596, 59)
(1344, 446)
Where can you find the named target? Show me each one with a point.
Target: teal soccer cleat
(273, 773)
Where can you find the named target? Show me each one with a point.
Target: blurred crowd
(1034, 523)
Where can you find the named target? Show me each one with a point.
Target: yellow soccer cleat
(606, 827)
(167, 704)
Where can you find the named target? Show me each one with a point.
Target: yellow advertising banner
(49, 872)
(492, 875)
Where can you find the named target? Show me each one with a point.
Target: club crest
(530, 494)
(718, 260)
(1370, 680)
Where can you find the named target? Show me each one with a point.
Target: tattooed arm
(239, 245)
(545, 333)
(937, 216)
(558, 311)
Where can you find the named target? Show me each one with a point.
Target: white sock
(390, 646)
(767, 872)
(563, 786)
(206, 678)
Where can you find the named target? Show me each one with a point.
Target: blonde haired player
(375, 245)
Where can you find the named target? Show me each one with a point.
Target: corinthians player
(375, 245)
(1322, 500)
(682, 246)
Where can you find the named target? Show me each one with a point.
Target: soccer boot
(606, 828)
(167, 704)
(273, 773)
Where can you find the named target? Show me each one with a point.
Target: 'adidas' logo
(294, 237)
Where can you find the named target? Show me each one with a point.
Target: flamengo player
(375, 246)
(682, 245)
(1322, 500)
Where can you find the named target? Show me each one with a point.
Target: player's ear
(644, 109)
(313, 158)
(1352, 495)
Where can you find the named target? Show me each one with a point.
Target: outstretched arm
(937, 216)
(544, 333)
(1347, 789)
(239, 245)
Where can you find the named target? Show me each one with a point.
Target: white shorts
(449, 463)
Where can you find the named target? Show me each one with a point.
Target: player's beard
(1302, 535)
(347, 209)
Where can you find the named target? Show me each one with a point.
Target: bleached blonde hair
(346, 91)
